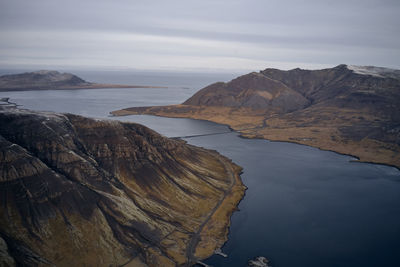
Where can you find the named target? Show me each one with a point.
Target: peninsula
(351, 110)
(83, 192)
(53, 80)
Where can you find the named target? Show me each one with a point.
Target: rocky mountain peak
(254, 90)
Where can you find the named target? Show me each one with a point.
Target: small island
(53, 80)
(258, 262)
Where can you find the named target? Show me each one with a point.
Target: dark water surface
(303, 206)
(307, 207)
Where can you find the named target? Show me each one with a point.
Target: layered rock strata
(82, 192)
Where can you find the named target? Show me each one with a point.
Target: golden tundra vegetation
(348, 109)
(82, 192)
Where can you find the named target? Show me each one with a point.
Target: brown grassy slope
(83, 192)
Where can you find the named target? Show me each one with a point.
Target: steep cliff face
(77, 191)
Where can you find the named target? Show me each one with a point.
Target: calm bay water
(303, 206)
(307, 207)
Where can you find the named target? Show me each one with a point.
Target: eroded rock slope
(84, 192)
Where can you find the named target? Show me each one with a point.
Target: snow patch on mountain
(375, 71)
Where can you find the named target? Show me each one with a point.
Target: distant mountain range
(52, 80)
(288, 91)
(349, 109)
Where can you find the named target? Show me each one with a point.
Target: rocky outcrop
(347, 109)
(77, 191)
(258, 262)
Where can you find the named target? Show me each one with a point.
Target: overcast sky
(199, 35)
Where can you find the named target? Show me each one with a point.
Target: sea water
(303, 206)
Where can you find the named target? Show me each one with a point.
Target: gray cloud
(217, 34)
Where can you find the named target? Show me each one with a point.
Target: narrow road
(190, 250)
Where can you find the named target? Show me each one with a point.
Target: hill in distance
(348, 109)
(52, 80)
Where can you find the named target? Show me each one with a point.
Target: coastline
(188, 243)
(79, 87)
(214, 231)
(346, 151)
(367, 152)
(355, 160)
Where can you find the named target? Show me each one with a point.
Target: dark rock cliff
(78, 191)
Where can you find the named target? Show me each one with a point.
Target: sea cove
(303, 206)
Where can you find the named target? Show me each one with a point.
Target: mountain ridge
(339, 109)
(260, 92)
(80, 191)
